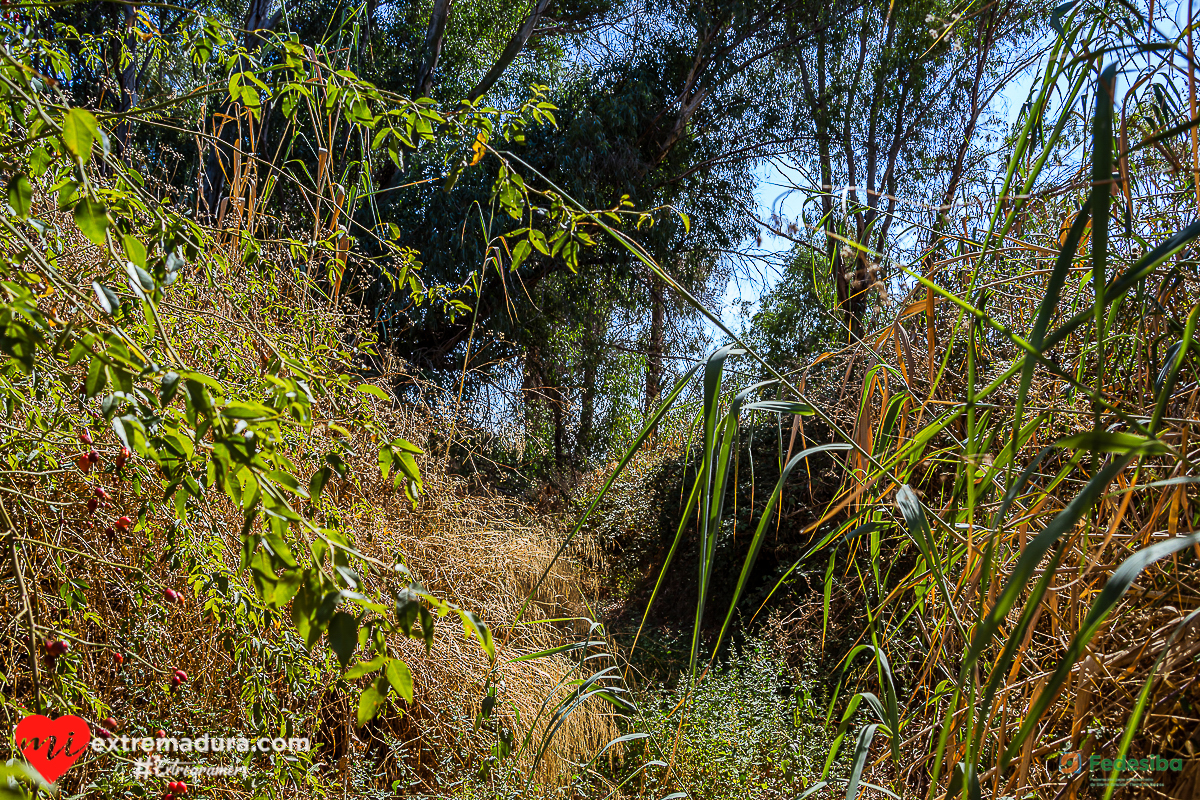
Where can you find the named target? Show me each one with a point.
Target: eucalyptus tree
(896, 97)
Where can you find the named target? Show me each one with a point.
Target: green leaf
(406, 446)
(66, 193)
(97, 377)
(20, 195)
(106, 298)
(250, 411)
(369, 703)
(861, 748)
(343, 636)
(39, 161)
(303, 611)
(92, 219)
(139, 278)
(79, 131)
(168, 387)
(473, 624)
(520, 252)
(400, 678)
(319, 479)
(1114, 442)
(278, 546)
(364, 668)
(286, 588)
(287, 481)
(135, 250)
(366, 388)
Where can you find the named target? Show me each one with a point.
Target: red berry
(117, 657)
(93, 457)
(122, 457)
(103, 734)
(181, 675)
(110, 723)
(92, 504)
(168, 796)
(160, 734)
(123, 523)
(101, 495)
(181, 787)
(170, 595)
(84, 463)
(85, 437)
(57, 647)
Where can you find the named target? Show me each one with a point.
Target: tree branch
(511, 50)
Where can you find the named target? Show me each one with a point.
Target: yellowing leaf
(479, 148)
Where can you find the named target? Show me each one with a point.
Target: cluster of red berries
(91, 458)
(99, 497)
(178, 677)
(56, 648)
(175, 789)
(87, 460)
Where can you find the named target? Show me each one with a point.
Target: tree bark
(432, 49)
(511, 50)
(586, 438)
(654, 352)
(127, 80)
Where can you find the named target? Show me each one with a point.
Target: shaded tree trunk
(654, 352)
(585, 440)
(427, 61)
(127, 79)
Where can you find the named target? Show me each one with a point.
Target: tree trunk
(554, 395)
(127, 80)
(654, 352)
(531, 386)
(432, 51)
(585, 440)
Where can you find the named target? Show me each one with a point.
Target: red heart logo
(51, 746)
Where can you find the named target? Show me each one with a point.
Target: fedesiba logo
(1071, 763)
(1117, 771)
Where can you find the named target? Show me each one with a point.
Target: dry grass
(475, 548)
